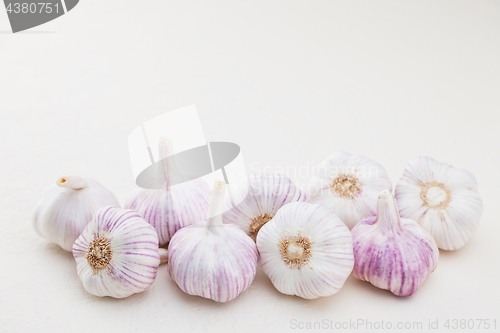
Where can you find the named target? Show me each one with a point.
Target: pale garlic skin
(68, 206)
(349, 184)
(393, 253)
(171, 209)
(267, 193)
(444, 200)
(306, 250)
(117, 254)
(211, 259)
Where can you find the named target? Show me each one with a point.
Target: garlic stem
(387, 211)
(216, 204)
(72, 182)
(165, 150)
(163, 255)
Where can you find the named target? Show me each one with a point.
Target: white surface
(290, 82)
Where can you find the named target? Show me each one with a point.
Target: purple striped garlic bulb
(67, 207)
(306, 250)
(174, 207)
(349, 184)
(117, 254)
(444, 200)
(266, 194)
(391, 252)
(211, 259)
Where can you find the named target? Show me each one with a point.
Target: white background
(290, 82)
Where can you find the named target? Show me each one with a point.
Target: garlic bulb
(393, 253)
(306, 250)
(174, 207)
(444, 200)
(68, 206)
(349, 184)
(211, 259)
(117, 254)
(266, 194)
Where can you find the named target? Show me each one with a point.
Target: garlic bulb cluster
(393, 253)
(444, 200)
(349, 184)
(68, 206)
(117, 254)
(174, 207)
(211, 259)
(267, 193)
(306, 250)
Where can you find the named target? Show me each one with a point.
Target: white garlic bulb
(68, 206)
(349, 184)
(211, 259)
(266, 194)
(174, 207)
(306, 250)
(444, 200)
(393, 253)
(117, 254)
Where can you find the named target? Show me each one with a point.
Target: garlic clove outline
(267, 193)
(211, 259)
(391, 252)
(117, 254)
(443, 199)
(349, 184)
(67, 206)
(306, 250)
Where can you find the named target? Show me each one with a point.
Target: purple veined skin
(117, 254)
(393, 253)
(174, 207)
(267, 193)
(211, 259)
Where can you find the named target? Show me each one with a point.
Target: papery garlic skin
(68, 206)
(349, 184)
(163, 255)
(393, 253)
(211, 259)
(444, 200)
(170, 210)
(306, 250)
(174, 207)
(267, 193)
(125, 254)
